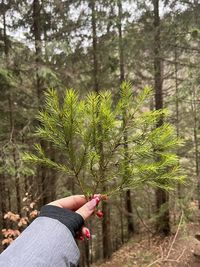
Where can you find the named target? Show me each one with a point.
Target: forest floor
(181, 249)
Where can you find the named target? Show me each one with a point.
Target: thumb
(87, 210)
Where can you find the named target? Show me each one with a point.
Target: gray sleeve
(45, 243)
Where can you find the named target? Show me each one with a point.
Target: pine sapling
(108, 147)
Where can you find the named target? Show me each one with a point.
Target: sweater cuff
(72, 220)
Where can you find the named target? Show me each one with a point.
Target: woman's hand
(80, 205)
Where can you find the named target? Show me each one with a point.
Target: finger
(87, 210)
(85, 232)
(99, 214)
(80, 236)
(72, 202)
(97, 197)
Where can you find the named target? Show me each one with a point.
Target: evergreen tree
(72, 127)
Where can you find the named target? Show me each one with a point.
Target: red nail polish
(81, 237)
(97, 200)
(87, 233)
(99, 213)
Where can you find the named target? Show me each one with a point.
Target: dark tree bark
(94, 46)
(128, 206)
(3, 196)
(179, 189)
(163, 222)
(38, 59)
(130, 224)
(3, 199)
(106, 227)
(12, 128)
(120, 39)
(3, 202)
(196, 142)
(14, 154)
(38, 41)
(11, 118)
(122, 216)
(42, 173)
(106, 231)
(5, 37)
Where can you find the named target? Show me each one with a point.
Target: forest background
(92, 46)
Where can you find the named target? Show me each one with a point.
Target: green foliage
(89, 133)
(195, 33)
(9, 166)
(48, 77)
(7, 79)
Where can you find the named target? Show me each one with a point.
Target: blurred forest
(96, 45)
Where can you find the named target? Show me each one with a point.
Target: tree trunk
(94, 46)
(106, 232)
(3, 208)
(3, 199)
(14, 154)
(4, 192)
(130, 224)
(177, 103)
(129, 209)
(106, 228)
(5, 37)
(163, 222)
(120, 40)
(87, 254)
(42, 182)
(3, 196)
(196, 143)
(122, 217)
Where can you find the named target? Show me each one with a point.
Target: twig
(175, 237)
(178, 259)
(142, 221)
(156, 261)
(165, 259)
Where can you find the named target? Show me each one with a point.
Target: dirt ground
(181, 249)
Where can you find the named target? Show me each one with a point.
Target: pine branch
(90, 134)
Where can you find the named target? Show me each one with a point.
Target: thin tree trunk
(130, 225)
(106, 227)
(14, 154)
(5, 37)
(12, 131)
(3, 208)
(87, 254)
(3, 199)
(128, 206)
(177, 103)
(121, 217)
(94, 46)
(41, 172)
(120, 39)
(176, 88)
(196, 143)
(162, 198)
(3, 196)
(106, 231)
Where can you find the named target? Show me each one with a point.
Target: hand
(80, 205)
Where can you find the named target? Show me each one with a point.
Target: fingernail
(81, 237)
(92, 204)
(97, 199)
(99, 213)
(87, 233)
